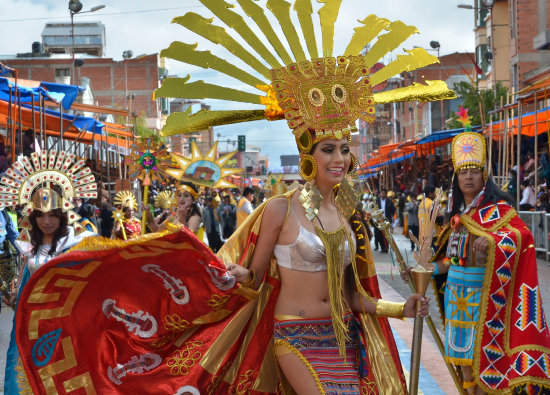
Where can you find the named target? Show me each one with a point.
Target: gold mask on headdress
(469, 150)
(46, 200)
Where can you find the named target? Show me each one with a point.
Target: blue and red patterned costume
(511, 348)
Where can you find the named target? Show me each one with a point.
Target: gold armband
(251, 283)
(389, 309)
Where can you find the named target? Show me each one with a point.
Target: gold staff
(382, 223)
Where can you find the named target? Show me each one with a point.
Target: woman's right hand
(241, 273)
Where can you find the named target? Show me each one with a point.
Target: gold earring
(310, 198)
(353, 165)
(308, 167)
(346, 198)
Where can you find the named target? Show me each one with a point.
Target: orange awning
(527, 125)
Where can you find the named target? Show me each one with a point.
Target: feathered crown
(469, 150)
(321, 97)
(165, 200)
(125, 199)
(29, 182)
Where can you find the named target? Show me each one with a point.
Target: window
(62, 72)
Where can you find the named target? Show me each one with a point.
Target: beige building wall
(498, 31)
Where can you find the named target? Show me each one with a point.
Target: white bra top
(307, 253)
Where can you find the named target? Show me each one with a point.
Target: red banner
(112, 321)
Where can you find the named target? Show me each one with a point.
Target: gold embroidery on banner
(243, 385)
(152, 249)
(183, 360)
(218, 301)
(368, 387)
(216, 380)
(37, 315)
(81, 381)
(175, 326)
(48, 372)
(38, 295)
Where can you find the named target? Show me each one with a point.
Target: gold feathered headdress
(320, 95)
(125, 199)
(165, 200)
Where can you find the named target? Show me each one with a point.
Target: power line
(103, 14)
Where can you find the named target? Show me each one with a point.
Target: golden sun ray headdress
(320, 96)
(203, 171)
(125, 199)
(45, 182)
(165, 200)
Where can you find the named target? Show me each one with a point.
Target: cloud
(128, 28)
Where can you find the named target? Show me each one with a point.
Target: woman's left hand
(239, 272)
(410, 306)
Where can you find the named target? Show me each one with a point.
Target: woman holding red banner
(49, 226)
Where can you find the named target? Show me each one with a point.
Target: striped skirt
(314, 343)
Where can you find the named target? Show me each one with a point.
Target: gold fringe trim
(335, 252)
(459, 361)
(295, 351)
(98, 243)
(22, 380)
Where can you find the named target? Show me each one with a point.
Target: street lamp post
(75, 7)
(436, 46)
(126, 55)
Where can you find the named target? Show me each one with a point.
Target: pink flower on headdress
(463, 117)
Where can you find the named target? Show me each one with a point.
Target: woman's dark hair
(493, 194)
(36, 233)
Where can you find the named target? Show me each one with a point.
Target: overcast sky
(144, 27)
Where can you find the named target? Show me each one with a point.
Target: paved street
(434, 376)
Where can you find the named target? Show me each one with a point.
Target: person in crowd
(107, 222)
(126, 201)
(401, 207)
(244, 207)
(187, 212)
(528, 198)
(211, 224)
(492, 285)
(411, 207)
(45, 234)
(8, 235)
(228, 217)
(543, 202)
(385, 204)
(86, 216)
(512, 185)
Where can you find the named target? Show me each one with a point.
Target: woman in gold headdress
(186, 211)
(126, 201)
(320, 252)
(49, 225)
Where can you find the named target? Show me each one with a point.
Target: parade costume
(131, 226)
(226, 345)
(29, 183)
(494, 319)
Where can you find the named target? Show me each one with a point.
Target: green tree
(472, 96)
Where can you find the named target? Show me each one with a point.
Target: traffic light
(241, 143)
(191, 141)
